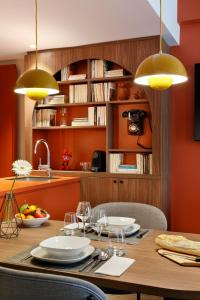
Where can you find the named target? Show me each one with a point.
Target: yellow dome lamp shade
(161, 70)
(36, 83)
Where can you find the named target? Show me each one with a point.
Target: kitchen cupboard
(118, 189)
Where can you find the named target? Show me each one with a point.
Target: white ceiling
(64, 23)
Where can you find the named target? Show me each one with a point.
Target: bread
(178, 243)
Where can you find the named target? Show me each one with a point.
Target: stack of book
(57, 99)
(114, 73)
(116, 159)
(144, 163)
(97, 115)
(102, 92)
(44, 117)
(65, 73)
(78, 93)
(98, 68)
(125, 168)
(77, 77)
(80, 122)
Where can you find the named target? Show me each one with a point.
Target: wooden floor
(133, 297)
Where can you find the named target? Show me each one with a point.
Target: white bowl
(36, 222)
(119, 222)
(65, 246)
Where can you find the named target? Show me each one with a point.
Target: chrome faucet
(48, 154)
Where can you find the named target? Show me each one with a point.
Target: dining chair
(23, 285)
(148, 216)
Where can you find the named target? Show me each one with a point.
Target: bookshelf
(113, 137)
(100, 102)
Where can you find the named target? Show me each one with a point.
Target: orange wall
(185, 152)
(8, 105)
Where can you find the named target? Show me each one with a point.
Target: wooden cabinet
(111, 189)
(113, 137)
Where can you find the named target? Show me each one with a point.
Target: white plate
(128, 231)
(40, 254)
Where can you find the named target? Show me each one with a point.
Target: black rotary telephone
(135, 121)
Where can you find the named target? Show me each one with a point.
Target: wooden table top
(150, 274)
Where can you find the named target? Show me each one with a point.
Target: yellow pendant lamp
(36, 83)
(161, 70)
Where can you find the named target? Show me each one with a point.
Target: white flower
(21, 167)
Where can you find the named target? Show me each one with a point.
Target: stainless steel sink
(32, 178)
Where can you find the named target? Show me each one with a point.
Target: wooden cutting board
(180, 258)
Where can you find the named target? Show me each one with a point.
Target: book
(113, 73)
(76, 123)
(115, 160)
(127, 166)
(65, 73)
(78, 93)
(57, 99)
(77, 77)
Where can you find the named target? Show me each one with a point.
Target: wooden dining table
(150, 273)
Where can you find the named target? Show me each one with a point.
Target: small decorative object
(66, 156)
(123, 90)
(135, 123)
(137, 93)
(9, 227)
(63, 117)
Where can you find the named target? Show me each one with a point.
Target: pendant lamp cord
(36, 34)
(161, 29)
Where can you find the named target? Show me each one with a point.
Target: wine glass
(99, 221)
(83, 212)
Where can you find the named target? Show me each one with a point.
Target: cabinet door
(145, 191)
(123, 190)
(99, 190)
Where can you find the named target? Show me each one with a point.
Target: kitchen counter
(22, 186)
(57, 196)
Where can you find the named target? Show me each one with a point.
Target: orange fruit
(28, 217)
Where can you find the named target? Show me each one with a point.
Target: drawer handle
(121, 181)
(115, 181)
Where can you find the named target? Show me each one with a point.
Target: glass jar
(63, 116)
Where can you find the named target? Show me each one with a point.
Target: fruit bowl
(35, 222)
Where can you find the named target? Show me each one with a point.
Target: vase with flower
(9, 227)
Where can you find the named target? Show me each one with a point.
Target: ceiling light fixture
(161, 70)
(36, 83)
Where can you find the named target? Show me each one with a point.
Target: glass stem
(83, 228)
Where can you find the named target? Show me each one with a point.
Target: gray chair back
(148, 216)
(23, 285)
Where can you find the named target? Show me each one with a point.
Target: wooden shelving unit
(113, 137)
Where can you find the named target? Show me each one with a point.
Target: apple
(40, 213)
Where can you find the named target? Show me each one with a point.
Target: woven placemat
(129, 240)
